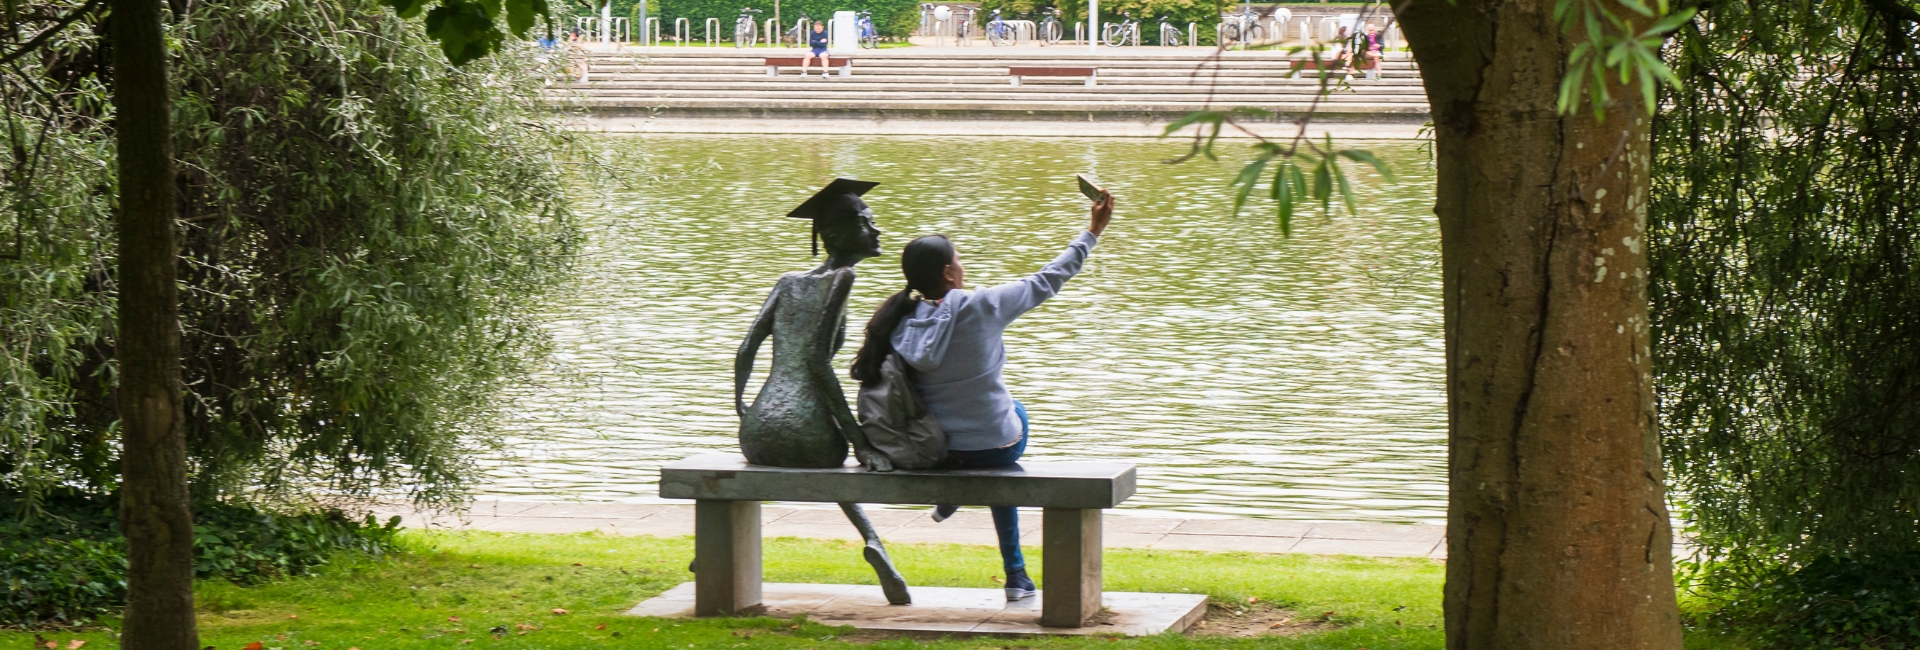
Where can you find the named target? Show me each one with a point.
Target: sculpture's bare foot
(878, 463)
(891, 582)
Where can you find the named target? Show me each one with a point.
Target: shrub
(69, 566)
(1833, 603)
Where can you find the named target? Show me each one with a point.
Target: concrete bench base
(1015, 73)
(775, 63)
(727, 493)
(946, 610)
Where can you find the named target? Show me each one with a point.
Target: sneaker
(1019, 586)
(941, 513)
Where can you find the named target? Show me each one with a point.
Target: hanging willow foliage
(367, 232)
(1785, 244)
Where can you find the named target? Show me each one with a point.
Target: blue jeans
(1006, 519)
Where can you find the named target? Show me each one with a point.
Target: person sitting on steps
(950, 337)
(817, 39)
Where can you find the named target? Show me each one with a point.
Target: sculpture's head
(841, 220)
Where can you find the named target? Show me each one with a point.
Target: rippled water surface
(1245, 372)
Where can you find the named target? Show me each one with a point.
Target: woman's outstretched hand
(1102, 213)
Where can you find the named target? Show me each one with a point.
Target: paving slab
(1244, 527)
(591, 510)
(554, 525)
(1224, 543)
(946, 610)
(1366, 547)
(677, 522)
(1383, 532)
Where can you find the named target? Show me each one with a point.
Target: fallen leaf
(293, 616)
(525, 627)
(1253, 599)
(1327, 615)
(559, 612)
(601, 626)
(75, 644)
(52, 644)
(455, 619)
(578, 564)
(256, 646)
(465, 641)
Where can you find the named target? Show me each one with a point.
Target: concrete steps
(1139, 85)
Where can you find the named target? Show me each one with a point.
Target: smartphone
(1092, 192)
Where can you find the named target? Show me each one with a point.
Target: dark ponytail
(924, 262)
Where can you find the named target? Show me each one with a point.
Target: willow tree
(1557, 523)
(1786, 263)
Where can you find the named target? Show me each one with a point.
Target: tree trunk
(153, 455)
(1558, 535)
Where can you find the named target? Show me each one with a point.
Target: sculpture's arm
(829, 386)
(743, 361)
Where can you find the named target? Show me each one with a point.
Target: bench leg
(846, 70)
(726, 554)
(1071, 539)
(1090, 79)
(1016, 80)
(773, 71)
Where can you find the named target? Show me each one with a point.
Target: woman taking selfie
(951, 338)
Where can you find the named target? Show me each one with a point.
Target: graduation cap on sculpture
(840, 198)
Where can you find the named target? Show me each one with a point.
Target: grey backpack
(896, 420)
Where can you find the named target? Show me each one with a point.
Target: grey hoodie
(956, 349)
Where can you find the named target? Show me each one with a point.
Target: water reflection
(1247, 373)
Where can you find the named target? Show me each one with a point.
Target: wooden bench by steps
(728, 491)
(1015, 73)
(775, 63)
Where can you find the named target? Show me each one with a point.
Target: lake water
(1246, 373)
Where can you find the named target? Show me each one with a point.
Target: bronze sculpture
(800, 417)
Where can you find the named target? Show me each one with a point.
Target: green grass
(513, 580)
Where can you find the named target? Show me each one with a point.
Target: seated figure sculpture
(800, 417)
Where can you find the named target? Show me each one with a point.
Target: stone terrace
(927, 90)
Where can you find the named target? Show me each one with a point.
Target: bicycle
(745, 33)
(797, 37)
(963, 26)
(1050, 29)
(869, 35)
(1245, 24)
(999, 32)
(1170, 35)
(1125, 32)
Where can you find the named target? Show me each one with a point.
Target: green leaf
(1323, 185)
(407, 8)
(1248, 178)
(1283, 195)
(1367, 158)
(1346, 191)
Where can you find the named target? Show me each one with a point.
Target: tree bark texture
(153, 457)
(1558, 535)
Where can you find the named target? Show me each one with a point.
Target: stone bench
(1015, 73)
(775, 63)
(728, 491)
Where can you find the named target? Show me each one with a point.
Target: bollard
(653, 29)
(773, 31)
(682, 30)
(1193, 34)
(713, 25)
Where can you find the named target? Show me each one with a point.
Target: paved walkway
(970, 526)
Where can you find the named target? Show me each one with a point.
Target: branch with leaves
(470, 29)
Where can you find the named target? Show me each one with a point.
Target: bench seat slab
(1078, 485)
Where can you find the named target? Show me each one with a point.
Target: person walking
(817, 39)
(951, 339)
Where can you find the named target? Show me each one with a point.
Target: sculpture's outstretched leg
(894, 586)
